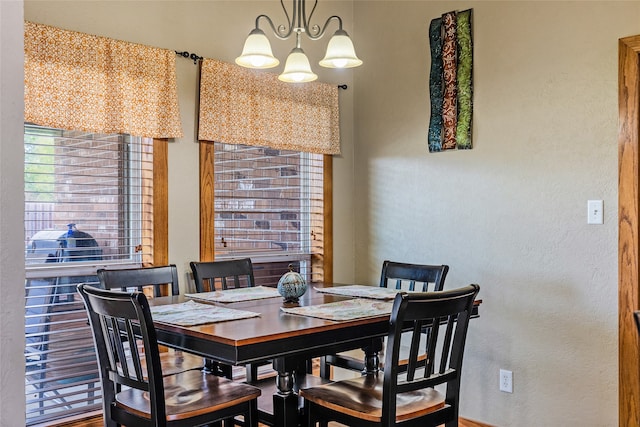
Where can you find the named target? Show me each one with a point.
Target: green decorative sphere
(292, 285)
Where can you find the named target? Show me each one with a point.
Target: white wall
(212, 29)
(510, 214)
(11, 216)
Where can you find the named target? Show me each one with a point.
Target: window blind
(269, 206)
(88, 204)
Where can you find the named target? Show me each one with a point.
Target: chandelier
(257, 49)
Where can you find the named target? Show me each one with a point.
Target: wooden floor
(468, 423)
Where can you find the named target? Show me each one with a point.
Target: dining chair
(209, 276)
(134, 391)
(139, 278)
(238, 273)
(395, 275)
(407, 396)
(173, 361)
(221, 275)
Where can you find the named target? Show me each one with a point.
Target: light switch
(594, 212)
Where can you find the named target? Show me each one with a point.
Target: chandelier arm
(306, 20)
(315, 33)
(281, 32)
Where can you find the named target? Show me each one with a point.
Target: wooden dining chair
(209, 276)
(221, 275)
(138, 394)
(140, 278)
(395, 275)
(173, 361)
(408, 396)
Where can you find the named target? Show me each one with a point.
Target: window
(88, 203)
(269, 206)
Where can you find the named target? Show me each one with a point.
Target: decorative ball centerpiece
(292, 285)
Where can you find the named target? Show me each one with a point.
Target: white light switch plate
(595, 212)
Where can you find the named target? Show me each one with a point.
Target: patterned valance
(96, 84)
(249, 107)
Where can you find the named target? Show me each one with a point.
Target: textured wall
(510, 214)
(11, 219)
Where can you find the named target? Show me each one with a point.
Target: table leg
(285, 401)
(371, 358)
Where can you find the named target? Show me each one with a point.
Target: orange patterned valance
(96, 84)
(249, 107)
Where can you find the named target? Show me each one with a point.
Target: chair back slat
(140, 278)
(446, 344)
(221, 275)
(414, 350)
(445, 314)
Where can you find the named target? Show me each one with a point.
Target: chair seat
(361, 397)
(189, 394)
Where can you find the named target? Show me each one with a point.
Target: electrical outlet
(506, 381)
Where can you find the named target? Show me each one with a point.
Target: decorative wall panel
(451, 81)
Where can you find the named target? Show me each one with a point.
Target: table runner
(362, 291)
(343, 310)
(237, 295)
(192, 313)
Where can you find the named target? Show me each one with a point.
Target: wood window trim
(328, 218)
(207, 213)
(628, 229)
(160, 202)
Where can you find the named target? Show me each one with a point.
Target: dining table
(288, 334)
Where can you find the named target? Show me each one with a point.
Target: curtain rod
(188, 55)
(197, 58)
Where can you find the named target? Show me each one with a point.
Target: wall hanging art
(451, 81)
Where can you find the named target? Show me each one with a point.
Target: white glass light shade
(257, 52)
(340, 52)
(297, 68)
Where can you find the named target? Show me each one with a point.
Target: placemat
(362, 291)
(192, 313)
(343, 310)
(237, 295)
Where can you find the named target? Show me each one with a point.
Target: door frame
(628, 229)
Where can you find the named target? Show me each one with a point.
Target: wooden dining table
(288, 340)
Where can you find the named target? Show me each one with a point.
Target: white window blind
(88, 204)
(269, 207)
